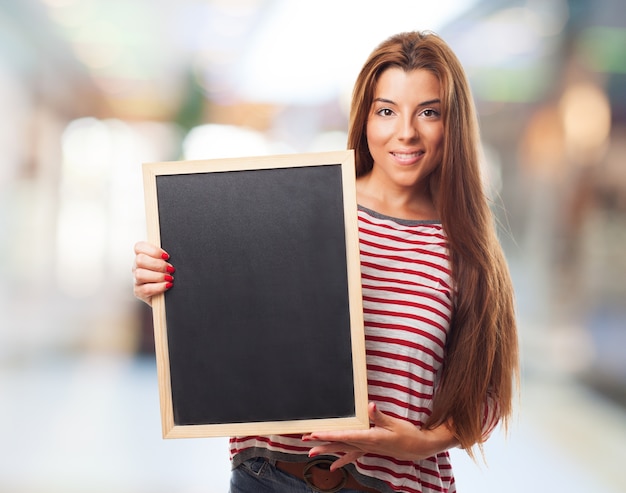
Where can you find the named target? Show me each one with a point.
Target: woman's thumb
(377, 418)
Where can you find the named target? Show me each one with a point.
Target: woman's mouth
(407, 156)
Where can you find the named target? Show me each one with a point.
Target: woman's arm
(386, 436)
(491, 416)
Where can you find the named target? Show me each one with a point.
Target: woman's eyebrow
(424, 103)
(383, 100)
(430, 101)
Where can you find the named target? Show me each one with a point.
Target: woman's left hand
(386, 436)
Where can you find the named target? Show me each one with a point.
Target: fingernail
(165, 256)
(170, 269)
(168, 277)
(169, 285)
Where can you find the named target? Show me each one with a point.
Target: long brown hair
(482, 347)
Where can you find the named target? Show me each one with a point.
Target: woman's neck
(401, 203)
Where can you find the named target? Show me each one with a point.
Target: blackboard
(262, 332)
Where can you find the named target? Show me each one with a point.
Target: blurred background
(90, 89)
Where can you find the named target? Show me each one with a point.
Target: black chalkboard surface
(262, 332)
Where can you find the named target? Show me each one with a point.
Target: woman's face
(405, 128)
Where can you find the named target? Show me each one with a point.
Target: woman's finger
(145, 292)
(148, 263)
(333, 448)
(346, 459)
(151, 250)
(146, 276)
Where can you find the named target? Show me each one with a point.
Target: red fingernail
(169, 285)
(168, 277)
(170, 269)
(165, 256)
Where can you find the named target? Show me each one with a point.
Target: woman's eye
(385, 112)
(430, 113)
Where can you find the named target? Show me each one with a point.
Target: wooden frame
(177, 185)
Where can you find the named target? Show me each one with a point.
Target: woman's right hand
(151, 271)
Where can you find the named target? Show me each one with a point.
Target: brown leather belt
(317, 474)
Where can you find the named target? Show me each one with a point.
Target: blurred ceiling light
(237, 7)
(85, 143)
(82, 220)
(586, 114)
(213, 141)
(81, 242)
(333, 140)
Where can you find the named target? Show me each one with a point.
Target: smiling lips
(407, 157)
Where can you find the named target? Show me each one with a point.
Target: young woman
(440, 327)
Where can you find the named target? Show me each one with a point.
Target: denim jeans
(260, 476)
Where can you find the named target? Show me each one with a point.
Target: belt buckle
(308, 475)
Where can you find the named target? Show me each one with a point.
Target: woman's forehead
(395, 82)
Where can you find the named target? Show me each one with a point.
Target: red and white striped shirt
(407, 303)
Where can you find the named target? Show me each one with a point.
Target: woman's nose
(408, 129)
